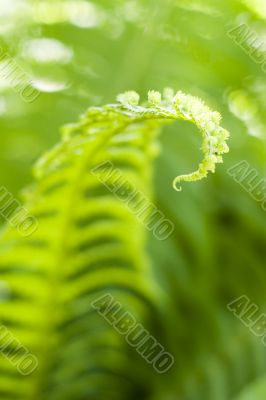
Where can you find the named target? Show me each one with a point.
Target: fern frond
(88, 243)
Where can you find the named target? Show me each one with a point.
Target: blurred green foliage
(99, 48)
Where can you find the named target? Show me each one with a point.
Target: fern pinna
(89, 243)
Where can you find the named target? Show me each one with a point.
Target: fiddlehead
(189, 108)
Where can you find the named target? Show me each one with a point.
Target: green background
(217, 252)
